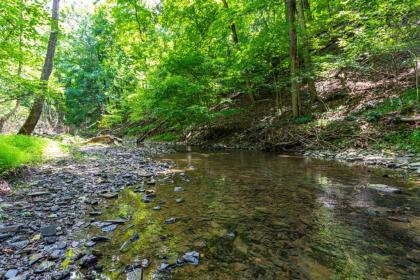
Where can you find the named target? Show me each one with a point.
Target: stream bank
(53, 203)
(407, 163)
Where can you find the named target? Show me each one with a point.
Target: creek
(254, 215)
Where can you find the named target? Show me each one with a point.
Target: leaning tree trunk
(293, 52)
(36, 110)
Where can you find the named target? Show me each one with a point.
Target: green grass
(164, 137)
(18, 149)
(402, 140)
(406, 104)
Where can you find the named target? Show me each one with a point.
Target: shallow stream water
(253, 215)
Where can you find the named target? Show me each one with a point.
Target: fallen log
(104, 139)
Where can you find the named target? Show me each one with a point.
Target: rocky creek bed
(115, 212)
(53, 204)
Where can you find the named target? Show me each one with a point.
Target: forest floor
(44, 208)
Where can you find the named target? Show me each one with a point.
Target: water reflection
(261, 216)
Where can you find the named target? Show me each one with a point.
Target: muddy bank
(53, 204)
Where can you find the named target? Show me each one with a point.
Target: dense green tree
(38, 104)
(20, 53)
(135, 65)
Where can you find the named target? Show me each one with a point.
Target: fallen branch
(410, 119)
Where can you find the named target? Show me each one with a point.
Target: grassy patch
(165, 137)
(405, 104)
(402, 140)
(18, 149)
(302, 119)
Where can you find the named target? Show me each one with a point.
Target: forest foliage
(139, 65)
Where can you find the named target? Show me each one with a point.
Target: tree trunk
(307, 9)
(293, 52)
(36, 110)
(304, 46)
(235, 40)
(235, 37)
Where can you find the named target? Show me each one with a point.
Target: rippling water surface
(262, 216)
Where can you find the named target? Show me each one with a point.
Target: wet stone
(125, 246)
(102, 224)
(178, 189)
(35, 258)
(50, 239)
(192, 257)
(44, 266)
(146, 200)
(170, 221)
(90, 244)
(399, 219)
(23, 276)
(109, 228)
(42, 193)
(62, 245)
(59, 275)
(150, 192)
(136, 274)
(19, 244)
(92, 202)
(134, 237)
(10, 228)
(100, 239)
(95, 213)
(145, 263)
(119, 221)
(163, 267)
(56, 254)
(384, 188)
(151, 182)
(11, 273)
(48, 230)
(88, 260)
(149, 196)
(230, 235)
(5, 236)
(109, 195)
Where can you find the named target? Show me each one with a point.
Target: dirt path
(50, 206)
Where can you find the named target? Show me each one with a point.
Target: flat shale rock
(61, 203)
